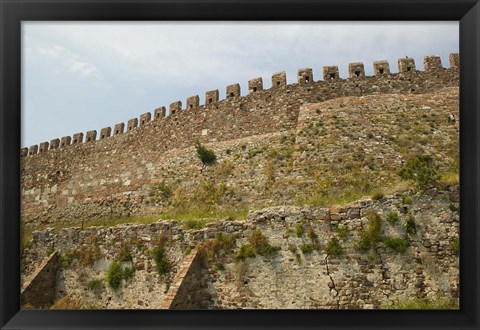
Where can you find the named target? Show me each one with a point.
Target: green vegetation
(372, 234)
(410, 225)
(207, 156)
(245, 251)
(418, 303)
(407, 200)
(299, 229)
(456, 246)
(421, 169)
(392, 217)
(222, 244)
(342, 231)
(194, 223)
(396, 243)
(333, 247)
(161, 260)
(124, 254)
(257, 244)
(378, 194)
(453, 207)
(95, 284)
(308, 248)
(116, 273)
(164, 190)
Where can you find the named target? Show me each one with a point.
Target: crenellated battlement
(305, 78)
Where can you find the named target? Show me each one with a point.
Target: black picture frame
(12, 12)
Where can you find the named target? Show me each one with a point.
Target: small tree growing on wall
(207, 156)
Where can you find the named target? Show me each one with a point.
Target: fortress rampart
(304, 77)
(115, 168)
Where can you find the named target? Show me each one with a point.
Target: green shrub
(333, 247)
(161, 260)
(311, 234)
(377, 195)
(396, 243)
(212, 249)
(407, 200)
(245, 251)
(307, 248)
(456, 245)
(421, 169)
(259, 243)
(372, 234)
(114, 275)
(299, 230)
(392, 217)
(164, 190)
(95, 284)
(207, 156)
(342, 231)
(410, 225)
(453, 207)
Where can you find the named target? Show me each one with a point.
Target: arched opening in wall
(254, 89)
(210, 100)
(143, 122)
(116, 132)
(278, 83)
(232, 94)
(103, 136)
(88, 139)
(357, 73)
(130, 128)
(75, 141)
(409, 68)
(63, 144)
(191, 106)
(381, 70)
(158, 115)
(307, 79)
(332, 76)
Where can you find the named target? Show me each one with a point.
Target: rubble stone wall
(293, 277)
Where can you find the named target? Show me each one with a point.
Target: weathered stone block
(24, 152)
(159, 113)
(432, 63)
(43, 147)
(175, 107)
(305, 76)
(66, 140)
(356, 70)
(105, 133)
(54, 144)
(255, 84)
(406, 64)
(279, 79)
(145, 118)
(233, 91)
(77, 138)
(211, 97)
(132, 123)
(454, 60)
(380, 68)
(118, 129)
(330, 73)
(193, 102)
(33, 150)
(91, 136)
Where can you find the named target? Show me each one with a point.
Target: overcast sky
(83, 76)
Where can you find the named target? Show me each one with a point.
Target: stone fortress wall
(293, 277)
(122, 163)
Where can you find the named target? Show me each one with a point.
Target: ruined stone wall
(111, 175)
(292, 277)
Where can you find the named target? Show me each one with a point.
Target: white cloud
(71, 62)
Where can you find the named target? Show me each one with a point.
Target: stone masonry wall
(110, 176)
(292, 277)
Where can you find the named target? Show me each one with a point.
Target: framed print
(239, 165)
